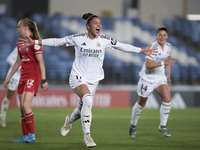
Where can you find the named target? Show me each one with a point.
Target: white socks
(76, 114)
(86, 113)
(136, 111)
(164, 113)
(84, 110)
(4, 107)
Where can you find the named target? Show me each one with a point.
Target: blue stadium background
(119, 67)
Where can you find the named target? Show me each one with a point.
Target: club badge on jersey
(37, 47)
(98, 44)
(79, 81)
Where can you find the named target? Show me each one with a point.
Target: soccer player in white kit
(87, 68)
(12, 86)
(152, 77)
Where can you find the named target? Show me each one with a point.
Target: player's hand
(169, 81)
(169, 61)
(149, 51)
(5, 83)
(45, 86)
(26, 42)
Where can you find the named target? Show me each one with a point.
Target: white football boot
(89, 141)
(3, 121)
(66, 127)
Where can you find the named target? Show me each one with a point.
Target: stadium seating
(119, 67)
(185, 29)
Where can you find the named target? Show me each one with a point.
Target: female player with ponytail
(32, 74)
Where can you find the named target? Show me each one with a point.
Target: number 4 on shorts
(143, 88)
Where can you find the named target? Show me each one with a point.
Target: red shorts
(29, 85)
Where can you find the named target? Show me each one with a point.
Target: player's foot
(132, 131)
(31, 138)
(3, 122)
(88, 141)
(66, 127)
(22, 139)
(164, 130)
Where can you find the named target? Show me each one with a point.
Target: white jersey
(89, 53)
(11, 60)
(152, 74)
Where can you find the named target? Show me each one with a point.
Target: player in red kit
(32, 74)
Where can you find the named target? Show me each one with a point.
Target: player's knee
(87, 100)
(22, 110)
(166, 99)
(142, 101)
(26, 106)
(142, 104)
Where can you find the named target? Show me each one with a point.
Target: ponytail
(32, 27)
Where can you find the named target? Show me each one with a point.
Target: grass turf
(109, 130)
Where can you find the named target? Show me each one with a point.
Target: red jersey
(29, 65)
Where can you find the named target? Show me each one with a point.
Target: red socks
(30, 123)
(23, 125)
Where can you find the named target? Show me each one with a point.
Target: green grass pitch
(109, 130)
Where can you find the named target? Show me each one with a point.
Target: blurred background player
(12, 86)
(32, 75)
(152, 77)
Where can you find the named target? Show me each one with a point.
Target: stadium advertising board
(60, 98)
(66, 98)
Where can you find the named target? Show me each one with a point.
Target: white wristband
(36, 42)
(162, 63)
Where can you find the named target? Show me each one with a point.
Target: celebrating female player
(32, 71)
(87, 68)
(152, 77)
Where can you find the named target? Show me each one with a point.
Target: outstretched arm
(148, 51)
(46, 42)
(129, 48)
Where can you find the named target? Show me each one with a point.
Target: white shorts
(13, 84)
(145, 88)
(75, 80)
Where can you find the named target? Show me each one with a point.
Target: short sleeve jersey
(89, 55)
(29, 65)
(152, 74)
